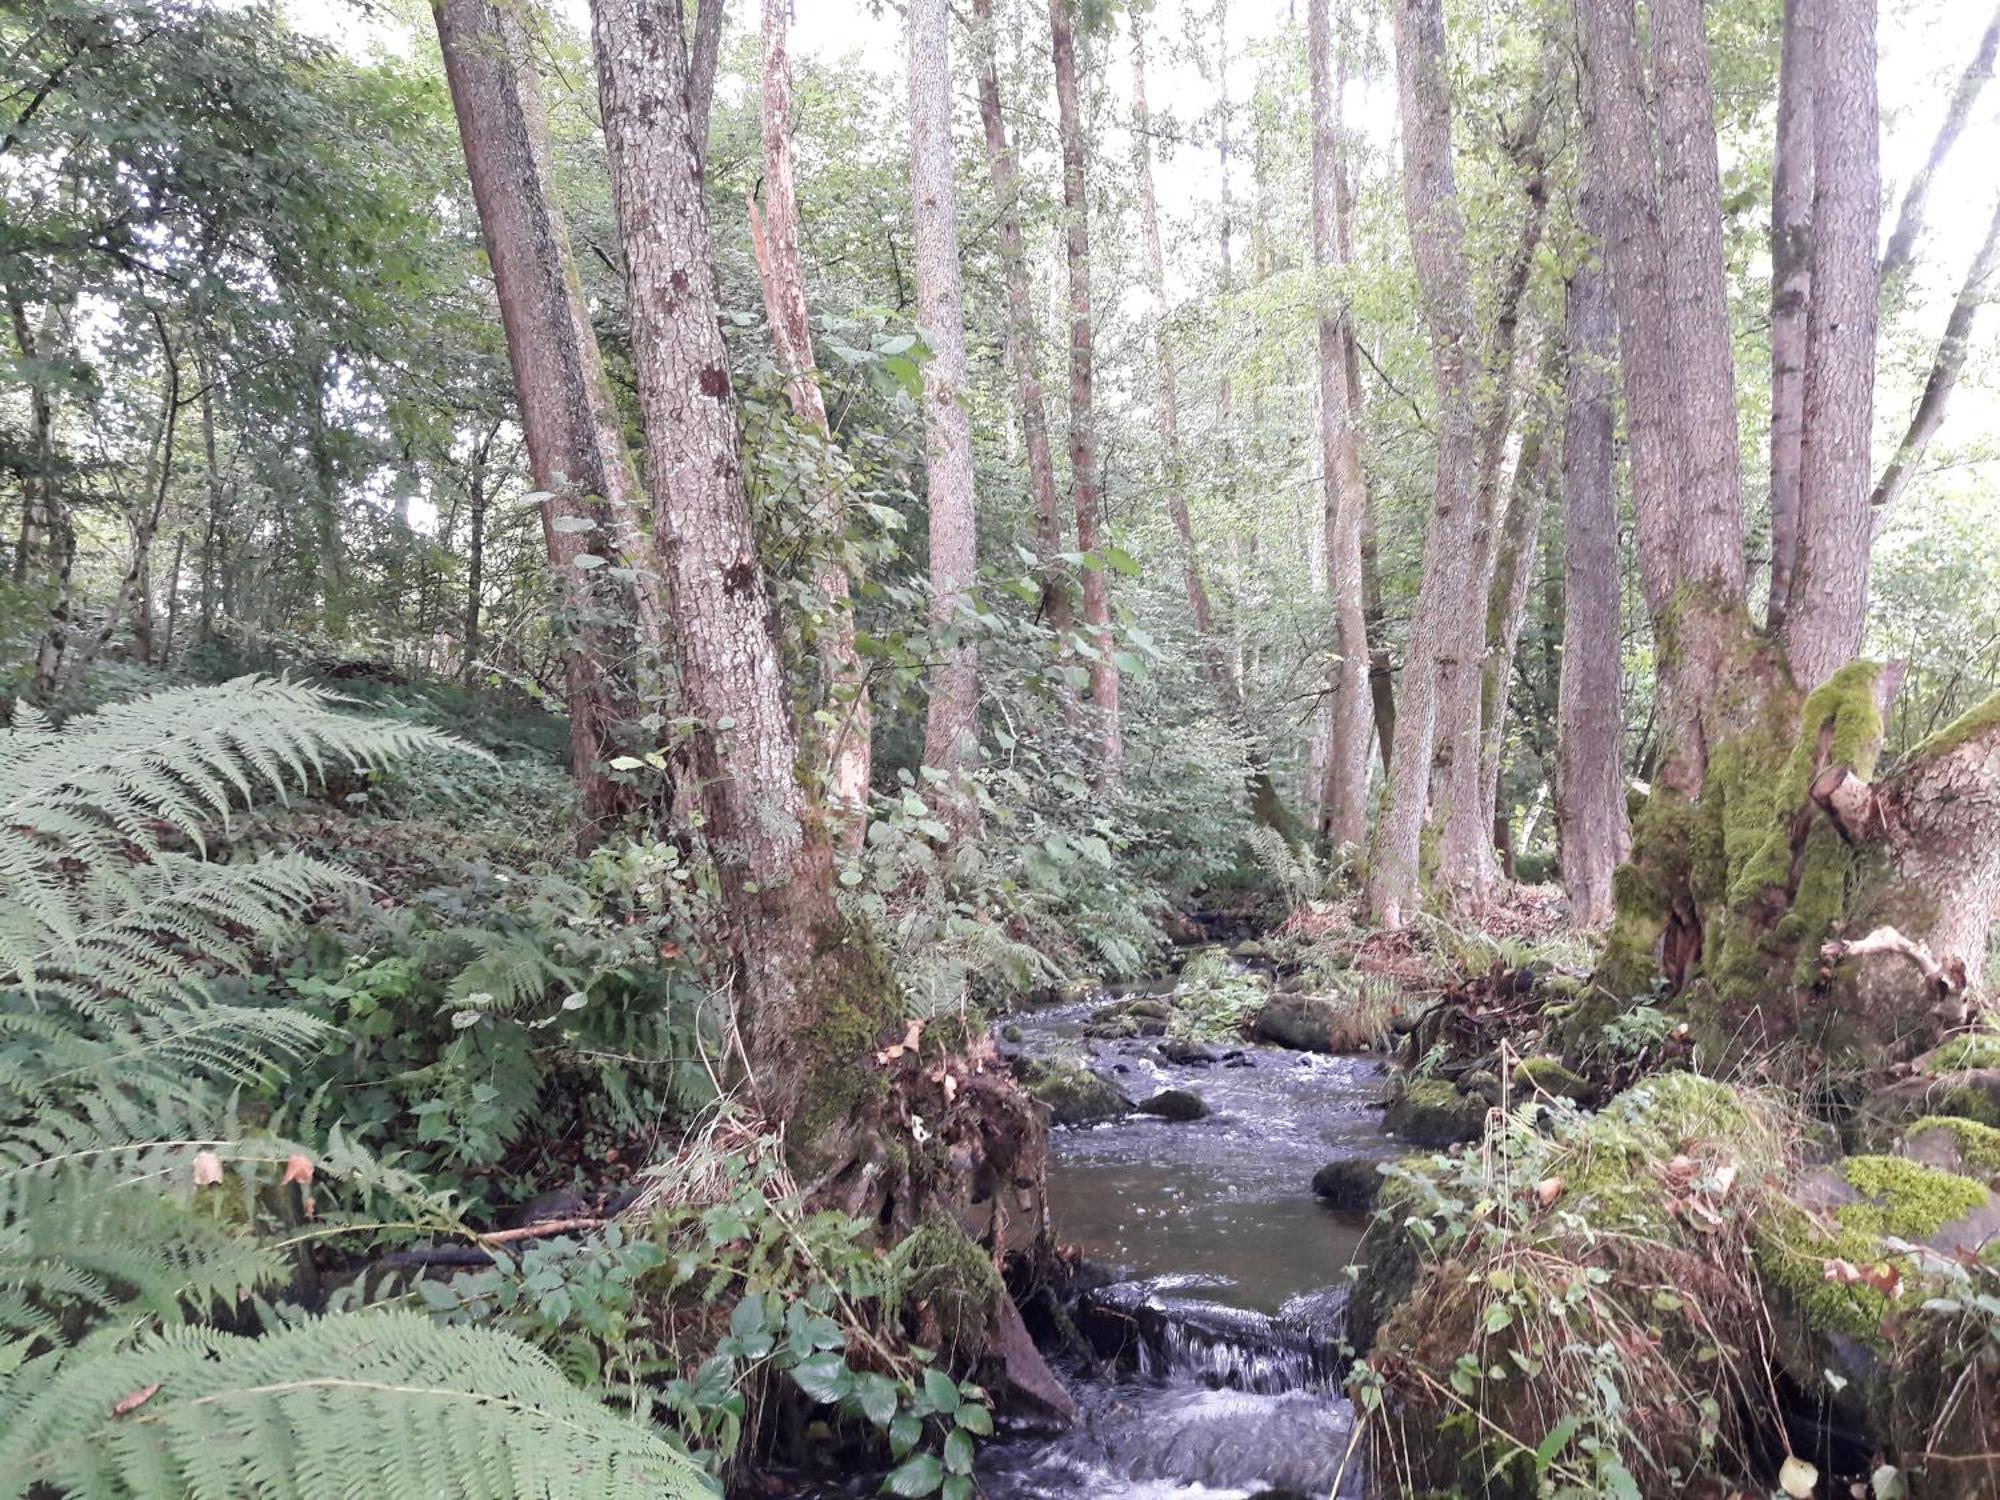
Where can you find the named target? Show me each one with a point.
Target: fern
(382, 1404)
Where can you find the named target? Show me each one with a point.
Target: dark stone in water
(1175, 1104)
(1303, 1022)
(1073, 1094)
(1188, 1054)
(1348, 1184)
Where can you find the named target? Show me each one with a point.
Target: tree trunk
(1024, 343)
(951, 730)
(1344, 791)
(1083, 475)
(475, 560)
(1829, 600)
(1902, 249)
(783, 276)
(1946, 367)
(1433, 659)
(1791, 285)
(1461, 806)
(1710, 513)
(1590, 802)
(211, 526)
(38, 483)
(576, 450)
(1673, 346)
(814, 1000)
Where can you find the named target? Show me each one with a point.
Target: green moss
(1908, 1201)
(1978, 1145)
(1969, 1103)
(1970, 725)
(1978, 1049)
(1912, 1201)
(1430, 1112)
(859, 1005)
(1075, 1095)
(1547, 1075)
(945, 1272)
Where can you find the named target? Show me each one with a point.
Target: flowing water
(1217, 1320)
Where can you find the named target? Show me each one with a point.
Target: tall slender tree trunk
(1167, 389)
(1344, 793)
(1946, 367)
(38, 484)
(576, 449)
(1829, 599)
(951, 730)
(1461, 807)
(1084, 479)
(1433, 658)
(814, 999)
(1590, 801)
(1024, 342)
(783, 276)
(1791, 289)
(475, 558)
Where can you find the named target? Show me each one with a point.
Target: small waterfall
(1162, 1334)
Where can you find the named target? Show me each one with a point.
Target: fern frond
(377, 1403)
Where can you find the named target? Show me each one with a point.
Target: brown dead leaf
(207, 1169)
(129, 1404)
(1548, 1190)
(298, 1168)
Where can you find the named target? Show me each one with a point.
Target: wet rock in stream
(1350, 1185)
(1175, 1104)
(1158, 1329)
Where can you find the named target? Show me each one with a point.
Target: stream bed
(1229, 1276)
(1217, 1278)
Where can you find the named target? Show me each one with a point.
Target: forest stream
(1215, 1278)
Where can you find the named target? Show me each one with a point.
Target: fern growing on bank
(371, 1403)
(137, 1195)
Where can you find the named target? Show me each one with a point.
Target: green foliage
(382, 1403)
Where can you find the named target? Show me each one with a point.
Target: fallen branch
(1948, 978)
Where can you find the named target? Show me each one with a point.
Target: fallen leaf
(298, 1168)
(137, 1399)
(207, 1169)
(1798, 1478)
(1723, 1179)
(1548, 1190)
(1682, 1167)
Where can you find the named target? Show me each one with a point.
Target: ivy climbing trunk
(781, 273)
(951, 729)
(576, 448)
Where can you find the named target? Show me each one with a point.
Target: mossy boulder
(1305, 1023)
(1969, 1094)
(1073, 1094)
(1974, 1049)
(1351, 1184)
(1954, 1144)
(1431, 1112)
(1547, 1075)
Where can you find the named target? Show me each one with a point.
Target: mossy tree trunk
(900, 1131)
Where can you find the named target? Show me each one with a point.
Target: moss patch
(1548, 1076)
(1968, 726)
(1978, 1049)
(1978, 1146)
(948, 1277)
(1430, 1112)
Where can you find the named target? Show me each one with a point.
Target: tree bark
(1710, 513)
(1791, 286)
(38, 482)
(1024, 342)
(782, 274)
(1590, 803)
(1433, 658)
(951, 730)
(1167, 391)
(1829, 600)
(1461, 805)
(1902, 249)
(1946, 367)
(1083, 474)
(704, 53)
(475, 557)
(1344, 792)
(576, 450)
